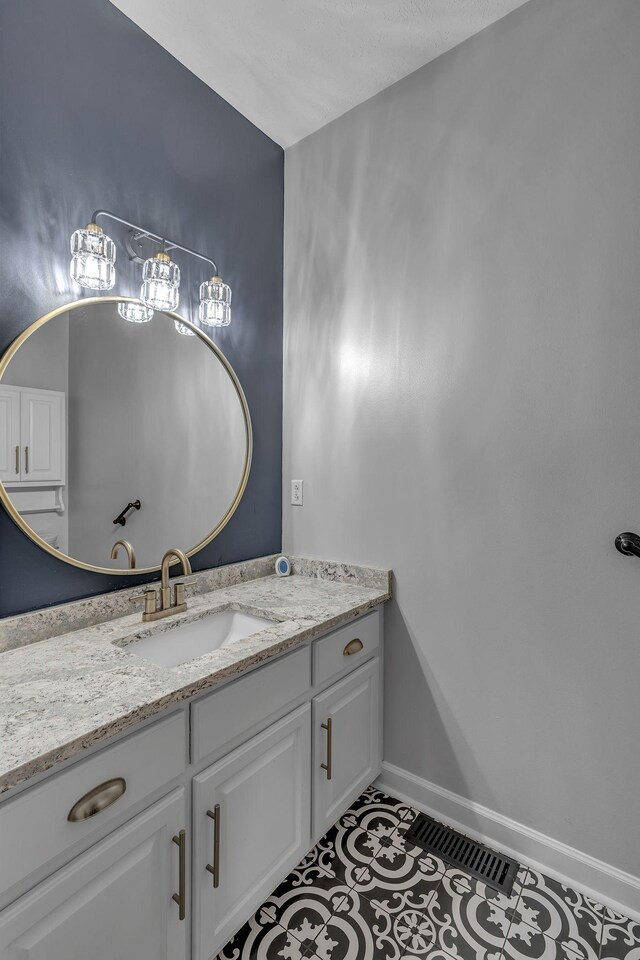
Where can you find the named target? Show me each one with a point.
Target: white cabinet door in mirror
(10, 447)
(347, 741)
(42, 416)
(260, 794)
(113, 901)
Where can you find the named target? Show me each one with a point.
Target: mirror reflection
(112, 431)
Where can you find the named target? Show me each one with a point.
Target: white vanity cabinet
(346, 743)
(224, 795)
(114, 901)
(251, 825)
(347, 717)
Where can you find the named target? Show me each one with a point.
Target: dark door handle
(628, 544)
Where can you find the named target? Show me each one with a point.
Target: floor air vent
(492, 868)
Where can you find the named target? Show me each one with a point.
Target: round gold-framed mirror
(120, 439)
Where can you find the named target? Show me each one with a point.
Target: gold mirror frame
(11, 351)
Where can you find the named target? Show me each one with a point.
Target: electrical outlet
(296, 493)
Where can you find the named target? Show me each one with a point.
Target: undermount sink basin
(191, 640)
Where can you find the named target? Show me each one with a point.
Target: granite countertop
(62, 695)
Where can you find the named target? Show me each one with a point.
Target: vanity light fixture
(135, 312)
(93, 257)
(215, 303)
(160, 282)
(92, 266)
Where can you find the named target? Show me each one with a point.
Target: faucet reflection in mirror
(130, 552)
(93, 256)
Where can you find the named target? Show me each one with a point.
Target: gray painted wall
(94, 113)
(43, 360)
(462, 400)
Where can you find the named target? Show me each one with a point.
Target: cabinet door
(114, 901)
(9, 434)
(42, 418)
(346, 743)
(260, 795)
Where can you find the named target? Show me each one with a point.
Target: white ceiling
(291, 66)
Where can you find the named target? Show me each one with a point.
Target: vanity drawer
(217, 719)
(347, 648)
(34, 828)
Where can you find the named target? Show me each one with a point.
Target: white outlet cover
(296, 493)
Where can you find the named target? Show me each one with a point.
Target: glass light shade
(183, 329)
(93, 255)
(161, 282)
(135, 312)
(215, 303)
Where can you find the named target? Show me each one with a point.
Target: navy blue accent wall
(94, 113)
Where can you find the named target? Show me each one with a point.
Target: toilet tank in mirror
(112, 430)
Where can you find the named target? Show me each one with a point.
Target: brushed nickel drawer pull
(215, 869)
(26, 459)
(328, 726)
(180, 897)
(17, 459)
(97, 800)
(354, 646)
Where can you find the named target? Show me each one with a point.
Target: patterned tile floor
(363, 893)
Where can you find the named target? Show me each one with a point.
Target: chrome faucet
(158, 606)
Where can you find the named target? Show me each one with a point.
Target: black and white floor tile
(467, 926)
(365, 893)
(562, 914)
(396, 881)
(463, 883)
(620, 937)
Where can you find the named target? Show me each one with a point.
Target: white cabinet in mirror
(33, 462)
(111, 414)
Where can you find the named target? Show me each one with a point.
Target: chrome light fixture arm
(143, 233)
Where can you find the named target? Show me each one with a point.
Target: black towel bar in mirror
(122, 517)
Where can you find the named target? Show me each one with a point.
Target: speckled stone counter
(61, 695)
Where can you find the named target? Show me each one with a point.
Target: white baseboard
(599, 880)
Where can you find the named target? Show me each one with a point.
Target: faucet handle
(180, 587)
(150, 600)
